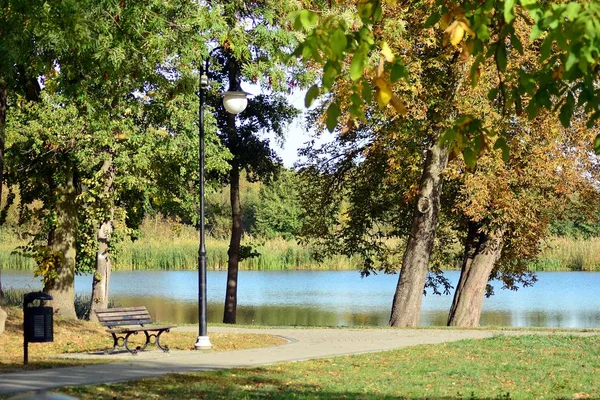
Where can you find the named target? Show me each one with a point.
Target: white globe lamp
(235, 101)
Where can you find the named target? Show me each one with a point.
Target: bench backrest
(124, 316)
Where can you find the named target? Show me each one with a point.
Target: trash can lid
(29, 297)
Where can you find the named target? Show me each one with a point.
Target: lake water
(338, 298)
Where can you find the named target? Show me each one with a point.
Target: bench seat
(124, 322)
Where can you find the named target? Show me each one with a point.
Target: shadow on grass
(257, 383)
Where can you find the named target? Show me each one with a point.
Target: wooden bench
(124, 322)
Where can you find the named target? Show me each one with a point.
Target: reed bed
(8, 260)
(181, 253)
(14, 298)
(567, 254)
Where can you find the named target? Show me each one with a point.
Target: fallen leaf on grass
(581, 395)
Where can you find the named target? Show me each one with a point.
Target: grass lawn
(526, 367)
(81, 336)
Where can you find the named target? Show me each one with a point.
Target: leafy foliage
(563, 78)
(277, 212)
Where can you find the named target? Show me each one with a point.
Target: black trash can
(38, 320)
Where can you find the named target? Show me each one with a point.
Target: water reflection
(338, 298)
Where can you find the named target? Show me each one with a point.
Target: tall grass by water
(567, 254)
(182, 253)
(164, 248)
(276, 254)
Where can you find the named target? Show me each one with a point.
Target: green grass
(526, 367)
(75, 336)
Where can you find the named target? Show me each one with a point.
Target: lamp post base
(203, 343)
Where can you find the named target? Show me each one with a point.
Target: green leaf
(536, 32)
(398, 71)
(311, 95)
(566, 111)
(546, 48)
(530, 4)
(475, 73)
(573, 10)
(597, 144)
(572, 60)
(366, 36)
(501, 144)
(338, 42)
(432, 20)
(333, 112)
(367, 91)
(483, 32)
(501, 57)
(378, 13)
(448, 136)
(470, 157)
(516, 43)
(365, 9)
(331, 70)
(357, 65)
(307, 19)
(518, 102)
(509, 10)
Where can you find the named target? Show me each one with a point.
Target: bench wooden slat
(110, 310)
(124, 317)
(138, 329)
(110, 314)
(129, 322)
(127, 316)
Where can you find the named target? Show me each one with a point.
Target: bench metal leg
(156, 337)
(151, 338)
(163, 348)
(126, 344)
(115, 343)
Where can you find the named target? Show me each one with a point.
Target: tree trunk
(62, 242)
(3, 109)
(101, 279)
(3, 317)
(229, 315)
(469, 254)
(406, 306)
(480, 257)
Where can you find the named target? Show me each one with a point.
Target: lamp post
(234, 101)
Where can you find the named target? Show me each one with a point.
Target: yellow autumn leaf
(387, 52)
(451, 27)
(383, 93)
(391, 2)
(380, 67)
(456, 32)
(466, 27)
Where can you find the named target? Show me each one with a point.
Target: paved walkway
(303, 344)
